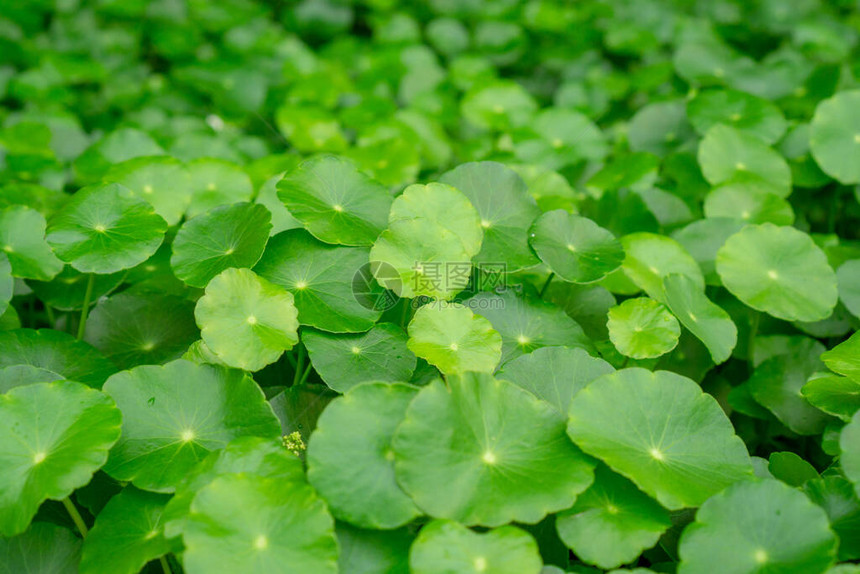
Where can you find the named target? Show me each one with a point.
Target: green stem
(305, 376)
(833, 212)
(300, 364)
(754, 321)
(546, 285)
(76, 516)
(165, 565)
(49, 311)
(624, 362)
(82, 327)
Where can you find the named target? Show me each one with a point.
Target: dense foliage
(444, 286)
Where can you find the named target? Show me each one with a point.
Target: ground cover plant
(437, 287)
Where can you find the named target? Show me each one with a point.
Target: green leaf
(837, 497)
(778, 270)
(744, 112)
(790, 468)
(707, 321)
(506, 210)
(22, 239)
(373, 551)
(575, 248)
(649, 258)
(266, 458)
(642, 328)
(344, 361)
(20, 375)
(833, 136)
(555, 374)
(245, 320)
(498, 106)
(53, 437)
(228, 236)
(433, 233)
(350, 460)
(214, 183)
(835, 395)
(759, 521)
(612, 522)
(660, 431)
(445, 547)
(135, 328)
(163, 182)
(743, 201)
(703, 238)
(526, 323)
(321, 279)
(57, 352)
(484, 451)
(844, 358)
(246, 523)
(728, 155)
(335, 201)
(848, 278)
(176, 414)
(849, 447)
(127, 534)
(453, 339)
(105, 229)
(43, 548)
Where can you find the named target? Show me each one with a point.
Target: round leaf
(320, 277)
(433, 233)
(350, 461)
(216, 182)
(53, 437)
(745, 112)
(20, 375)
(134, 329)
(127, 534)
(162, 182)
(642, 328)
(707, 321)
(506, 210)
(67, 291)
(459, 454)
(105, 229)
(555, 374)
(454, 339)
(343, 361)
(612, 522)
(526, 323)
(445, 547)
(834, 137)
(246, 523)
(848, 277)
(778, 270)
(22, 239)
(730, 155)
(650, 257)
(57, 352)
(266, 458)
(228, 236)
(174, 415)
(835, 395)
(575, 248)
(769, 526)
(662, 432)
(44, 547)
(245, 320)
(335, 201)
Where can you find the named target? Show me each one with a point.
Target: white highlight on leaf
(39, 457)
(188, 435)
(489, 457)
(657, 454)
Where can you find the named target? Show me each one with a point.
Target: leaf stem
(546, 285)
(76, 516)
(49, 311)
(305, 376)
(165, 565)
(82, 326)
(300, 363)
